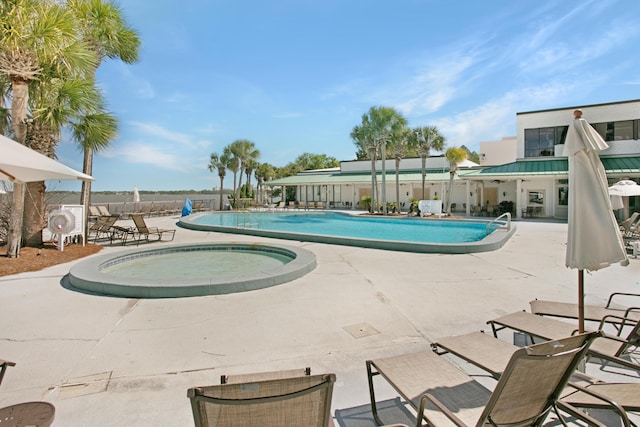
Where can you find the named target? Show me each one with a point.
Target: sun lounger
(611, 348)
(103, 210)
(297, 399)
(142, 230)
(102, 228)
(591, 312)
(441, 393)
(492, 355)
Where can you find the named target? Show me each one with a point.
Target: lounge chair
(142, 230)
(630, 224)
(38, 414)
(492, 355)
(292, 204)
(268, 399)
(611, 348)
(591, 312)
(319, 205)
(103, 210)
(102, 228)
(442, 394)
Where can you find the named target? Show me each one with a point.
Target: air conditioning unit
(65, 221)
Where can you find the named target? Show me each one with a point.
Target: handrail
(495, 221)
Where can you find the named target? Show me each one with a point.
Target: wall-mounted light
(504, 194)
(407, 193)
(471, 193)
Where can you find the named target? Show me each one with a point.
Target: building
(534, 183)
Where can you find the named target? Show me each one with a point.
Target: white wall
(494, 153)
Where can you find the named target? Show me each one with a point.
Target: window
(617, 131)
(540, 142)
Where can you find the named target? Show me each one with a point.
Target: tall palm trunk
(424, 172)
(221, 187)
(20, 95)
(398, 185)
(85, 193)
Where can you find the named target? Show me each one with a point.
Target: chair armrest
(626, 294)
(614, 405)
(430, 398)
(624, 321)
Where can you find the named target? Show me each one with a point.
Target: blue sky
(295, 76)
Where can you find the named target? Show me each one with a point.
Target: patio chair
(608, 348)
(442, 394)
(142, 230)
(492, 355)
(592, 313)
(271, 401)
(38, 414)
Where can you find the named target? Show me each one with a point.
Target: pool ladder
(497, 224)
(244, 223)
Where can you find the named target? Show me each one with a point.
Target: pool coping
(492, 242)
(86, 275)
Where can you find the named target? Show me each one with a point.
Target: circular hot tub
(191, 270)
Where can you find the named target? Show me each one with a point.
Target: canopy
(625, 188)
(19, 163)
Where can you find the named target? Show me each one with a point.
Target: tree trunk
(20, 95)
(85, 192)
(398, 186)
(221, 181)
(33, 220)
(424, 171)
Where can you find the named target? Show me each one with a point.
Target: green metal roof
(363, 177)
(537, 167)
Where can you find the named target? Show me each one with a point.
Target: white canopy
(625, 188)
(19, 163)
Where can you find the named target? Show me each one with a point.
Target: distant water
(122, 202)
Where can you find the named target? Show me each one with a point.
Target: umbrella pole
(580, 301)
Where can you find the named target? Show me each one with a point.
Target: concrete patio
(106, 361)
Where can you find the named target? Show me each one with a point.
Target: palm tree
(219, 163)
(244, 150)
(454, 156)
(399, 150)
(103, 27)
(264, 173)
(382, 125)
(363, 137)
(250, 166)
(42, 42)
(233, 164)
(427, 138)
(60, 102)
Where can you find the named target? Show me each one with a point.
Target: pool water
(344, 225)
(197, 265)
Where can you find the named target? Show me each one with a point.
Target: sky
(295, 76)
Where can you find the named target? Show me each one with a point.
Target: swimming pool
(408, 234)
(191, 270)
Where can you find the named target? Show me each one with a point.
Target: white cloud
(152, 129)
(141, 87)
(144, 153)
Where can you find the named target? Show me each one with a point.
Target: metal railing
(500, 224)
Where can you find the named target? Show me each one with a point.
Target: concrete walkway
(106, 361)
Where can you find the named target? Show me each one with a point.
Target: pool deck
(105, 361)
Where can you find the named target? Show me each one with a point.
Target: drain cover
(361, 330)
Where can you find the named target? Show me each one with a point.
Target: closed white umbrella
(136, 195)
(22, 164)
(594, 240)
